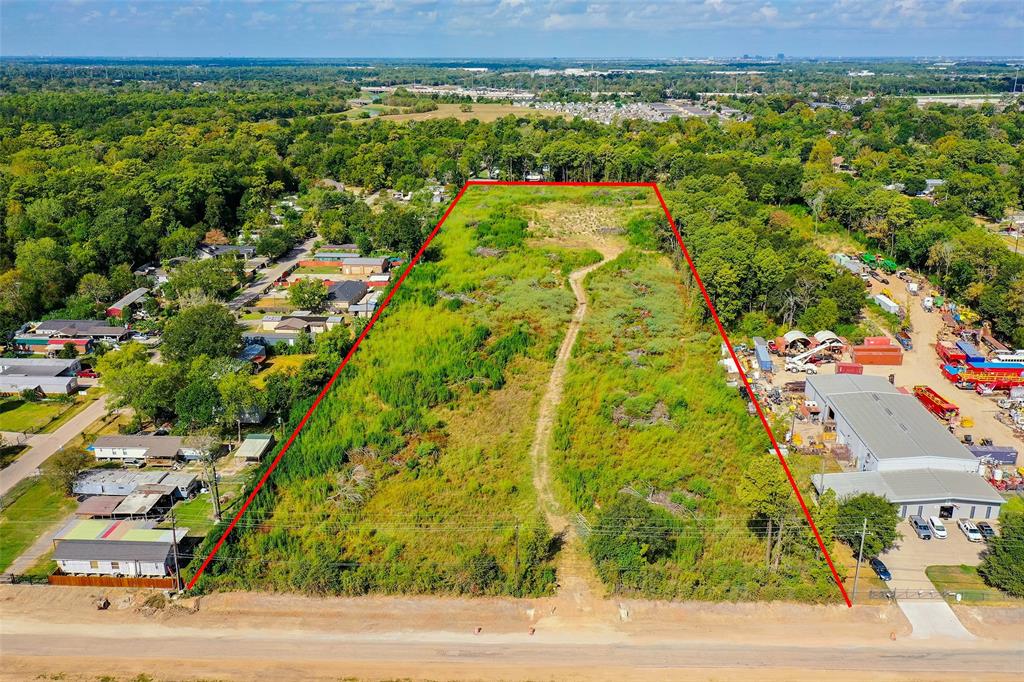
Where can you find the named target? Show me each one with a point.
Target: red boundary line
(415, 259)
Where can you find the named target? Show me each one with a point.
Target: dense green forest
(96, 178)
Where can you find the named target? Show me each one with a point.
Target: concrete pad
(933, 619)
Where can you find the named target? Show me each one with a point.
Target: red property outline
(405, 273)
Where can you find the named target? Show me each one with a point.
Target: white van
(938, 530)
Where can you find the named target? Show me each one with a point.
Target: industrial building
(901, 451)
(925, 492)
(50, 376)
(885, 429)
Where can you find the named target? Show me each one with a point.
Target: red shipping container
(877, 355)
(877, 341)
(849, 368)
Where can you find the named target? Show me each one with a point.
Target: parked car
(938, 530)
(773, 347)
(141, 338)
(87, 374)
(986, 529)
(880, 569)
(923, 530)
(970, 530)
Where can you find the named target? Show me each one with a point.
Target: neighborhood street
(268, 276)
(45, 444)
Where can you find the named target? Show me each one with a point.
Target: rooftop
(78, 328)
(837, 384)
(106, 550)
(911, 485)
(156, 446)
(129, 298)
(894, 425)
(35, 367)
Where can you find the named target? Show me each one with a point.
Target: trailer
(887, 304)
(949, 353)
(968, 378)
(904, 338)
(935, 403)
(764, 360)
(971, 353)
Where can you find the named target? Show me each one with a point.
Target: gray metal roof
(895, 425)
(155, 446)
(911, 485)
(834, 384)
(129, 298)
(36, 367)
(111, 550)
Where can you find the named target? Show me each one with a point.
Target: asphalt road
(233, 652)
(46, 444)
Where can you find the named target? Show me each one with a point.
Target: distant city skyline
(499, 29)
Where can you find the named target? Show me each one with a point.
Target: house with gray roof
(50, 376)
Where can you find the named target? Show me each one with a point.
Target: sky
(511, 28)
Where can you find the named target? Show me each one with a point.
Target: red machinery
(935, 403)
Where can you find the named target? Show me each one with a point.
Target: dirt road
(576, 576)
(249, 636)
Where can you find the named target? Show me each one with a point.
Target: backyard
(42, 416)
(30, 508)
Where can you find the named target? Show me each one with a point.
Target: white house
(143, 449)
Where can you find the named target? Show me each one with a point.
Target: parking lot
(912, 555)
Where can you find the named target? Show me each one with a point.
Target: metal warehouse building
(886, 430)
(926, 492)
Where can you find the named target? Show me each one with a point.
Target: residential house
(364, 266)
(43, 375)
(243, 252)
(118, 548)
(343, 294)
(50, 336)
(153, 450)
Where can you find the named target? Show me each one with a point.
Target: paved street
(45, 444)
(298, 253)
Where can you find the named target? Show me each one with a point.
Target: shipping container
(764, 361)
(1003, 454)
(877, 355)
(877, 341)
(887, 304)
(849, 368)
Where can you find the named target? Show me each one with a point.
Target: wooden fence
(110, 581)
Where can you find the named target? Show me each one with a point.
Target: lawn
(965, 581)
(195, 514)
(10, 453)
(44, 416)
(280, 363)
(318, 270)
(36, 507)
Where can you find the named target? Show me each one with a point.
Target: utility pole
(860, 555)
(174, 551)
(516, 573)
(213, 486)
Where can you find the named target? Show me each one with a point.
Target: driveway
(929, 614)
(45, 444)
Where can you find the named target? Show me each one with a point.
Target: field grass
(38, 417)
(318, 270)
(414, 473)
(965, 581)
(36, 507)
(279, 363)
(647, 408)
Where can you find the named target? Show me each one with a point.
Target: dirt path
(576, 577)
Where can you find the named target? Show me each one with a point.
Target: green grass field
(38, 417)
(965, 581)
(36, 507)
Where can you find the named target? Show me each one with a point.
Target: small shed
(254, 447)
